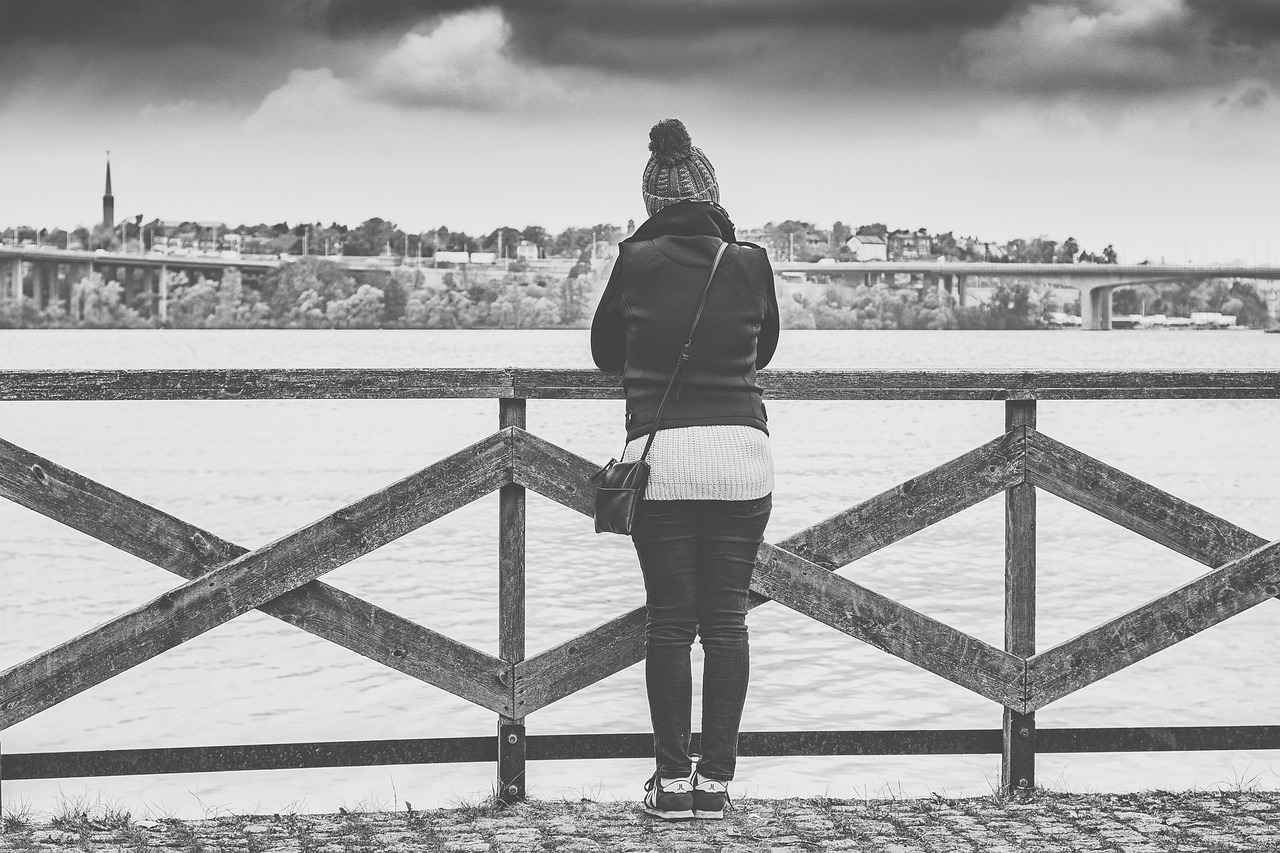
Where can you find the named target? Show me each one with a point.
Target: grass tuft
(17, 816)
(80, 815)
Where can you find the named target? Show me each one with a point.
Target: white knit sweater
(711, 463)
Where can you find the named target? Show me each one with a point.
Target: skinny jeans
(697, 557)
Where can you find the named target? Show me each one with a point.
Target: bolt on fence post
(511, 622)
(1018, 758)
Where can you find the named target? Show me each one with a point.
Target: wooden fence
(224, 580)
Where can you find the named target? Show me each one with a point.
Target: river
(251, 471)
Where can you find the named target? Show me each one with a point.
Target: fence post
(511, 539)
(1018, 759)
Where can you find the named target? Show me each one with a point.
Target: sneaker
(672, 801)
(709, 799)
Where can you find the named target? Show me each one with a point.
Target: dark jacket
(645, 312)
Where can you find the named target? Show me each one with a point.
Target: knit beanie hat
(677, 170)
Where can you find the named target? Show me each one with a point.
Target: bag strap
(684, 352)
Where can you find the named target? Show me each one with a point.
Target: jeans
(697, 558)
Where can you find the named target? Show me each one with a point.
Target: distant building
(868, 247)
(982, 250)
(169, 235)
(910, 245)
(108, 201)
(527, 251)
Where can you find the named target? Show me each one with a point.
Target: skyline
(1148, 124)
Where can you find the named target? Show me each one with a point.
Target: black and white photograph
(663, 425)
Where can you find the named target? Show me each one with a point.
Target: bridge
(1094, 281)
(46, 274)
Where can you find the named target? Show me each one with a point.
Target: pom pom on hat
(677, 169)
(669, 141)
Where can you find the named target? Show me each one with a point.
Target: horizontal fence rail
(569, 384)
(222, 580)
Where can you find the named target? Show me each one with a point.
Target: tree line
(313, 293)
(370, 238)
(1012, 305)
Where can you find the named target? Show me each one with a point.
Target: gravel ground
(1043, 822)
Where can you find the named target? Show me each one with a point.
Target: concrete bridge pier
(11, 280)
(162, 286)
(954, 285)
(1095, 308)
(38, 291)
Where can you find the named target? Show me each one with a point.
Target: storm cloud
(1112, 47)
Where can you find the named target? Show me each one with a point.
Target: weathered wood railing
(225, 580)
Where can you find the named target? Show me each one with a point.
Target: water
(251, 471)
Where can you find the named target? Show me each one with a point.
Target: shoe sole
(668, 815)
(707, 815)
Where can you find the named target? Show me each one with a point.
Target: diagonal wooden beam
(1133, 504)
(606, 649)
(250, 580)
(186, 550)
(565, 669)
(889, 626)
(790, 580)
(553, 472)
(954, 486)
(1143, 631)
(914, 505)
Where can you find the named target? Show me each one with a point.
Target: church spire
(108, 200)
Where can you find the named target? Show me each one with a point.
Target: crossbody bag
(620, 485)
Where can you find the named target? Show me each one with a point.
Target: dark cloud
(250, 24)
(243, 25)
(1025, 46)
(645, 38)
(682, 19)
(1245, 21)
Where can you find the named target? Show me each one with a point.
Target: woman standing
(710, 487)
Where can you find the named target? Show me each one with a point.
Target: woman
(710, 487)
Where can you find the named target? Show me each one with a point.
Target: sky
(1150, 124)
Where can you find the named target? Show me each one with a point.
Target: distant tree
(875, 229)
(789, 239)
(535, 234)
(1013, 305)
(98, 304)
(20, 313)
(1041, 251)
(361, 310)
(571, 242)
(372, 237)
(1068, 251)
(298, 292)
(840, 233)
(510, 239)
(396, 288)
